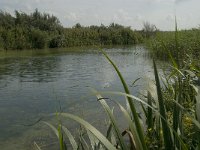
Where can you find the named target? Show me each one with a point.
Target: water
(37, 83)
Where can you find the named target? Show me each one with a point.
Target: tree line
(41, 30)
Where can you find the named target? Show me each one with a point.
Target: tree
(149, 29)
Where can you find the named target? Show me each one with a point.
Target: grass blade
(53, 128)
(92, 129)
(58, 134)
(109, 132)
(132, 107)
(112, 119)
(184, 147)
(36, 145)
(131, 138)
(71, 138)
(132, 127)
(166, 130)
(149, 111)
(61, 139)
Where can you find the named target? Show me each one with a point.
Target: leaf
(198, 107)
(71, 138)
(157, 113)
(52, 127)
(112, 119)
(131, 104)
(93, 140)
(166, 132)
(132, 141)
(58, 134)
(92, 129)
(149, 112)
(35, 144)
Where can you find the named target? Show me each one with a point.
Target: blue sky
(126, 12)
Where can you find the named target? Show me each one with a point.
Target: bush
(38, 39)
(56, 42)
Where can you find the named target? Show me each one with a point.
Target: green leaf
(71, 138)
(58, 134)
(36, 145)
(92, 129)
(149, 112)
(131, 104)
(61, 140)
(158, 115)
(113, 121)
(52, 127)
(166, 132)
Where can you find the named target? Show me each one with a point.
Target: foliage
(188, 43)
(37, 38)
(21, 31)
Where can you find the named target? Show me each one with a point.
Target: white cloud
(180, 1)
(170, 17)
(126, 12)
(121, 16)
(72, 17)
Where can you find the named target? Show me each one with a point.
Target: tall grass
(188, 44)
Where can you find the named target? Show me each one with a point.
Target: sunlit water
(37, 83)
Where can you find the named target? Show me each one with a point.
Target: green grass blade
(92, 129)
(71, 138)
(144, 110)
(113, 121)
(58, 134)
(149, 111)
(166, 132)
(83, 142)
(170, 55)
(131, 104)
(132, 127)
(177, 43)
(198, 106)
(36, 145)
(131, 138)
(61, 139)
(184, 147)
(197, 124)
(93, 140)
(176, 114)
(109, 132)
(52, 127)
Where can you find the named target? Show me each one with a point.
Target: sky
(131, 13)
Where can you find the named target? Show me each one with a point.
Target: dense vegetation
(182, 45)
(40, 30)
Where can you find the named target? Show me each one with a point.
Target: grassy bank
(182, 44)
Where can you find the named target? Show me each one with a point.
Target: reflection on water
(40, 83)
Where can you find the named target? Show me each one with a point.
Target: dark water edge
(37, 83)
